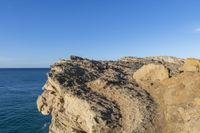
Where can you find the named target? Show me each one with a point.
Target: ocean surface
(19, 89)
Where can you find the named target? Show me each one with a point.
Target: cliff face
(131, 95)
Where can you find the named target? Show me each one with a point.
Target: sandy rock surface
(191, 65)
(131, 95)
(151, 73)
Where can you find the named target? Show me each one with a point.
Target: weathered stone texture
(131, 95)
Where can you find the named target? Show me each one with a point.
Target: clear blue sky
(36, 33)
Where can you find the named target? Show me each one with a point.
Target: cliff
(131, 95)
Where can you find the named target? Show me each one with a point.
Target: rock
(169, 59)
(171, 63)
(191, 64)
(151, 73)
(166, 59)
(179, 102)
(88, 96)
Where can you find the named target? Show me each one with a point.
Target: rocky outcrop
(179, 97)
(173, 64)
(151, 73)
(138, 95)
(169, 59)
(163, 59)
(191, 65)
(178, 102)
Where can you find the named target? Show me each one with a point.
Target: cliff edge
(131, 95)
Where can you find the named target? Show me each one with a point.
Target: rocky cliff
(131, 95)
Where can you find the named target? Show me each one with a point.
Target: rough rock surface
(178, 99)
(163, 59)
(191, 65)
(151, 73)
(88, 96)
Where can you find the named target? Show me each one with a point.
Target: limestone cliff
(131, 95)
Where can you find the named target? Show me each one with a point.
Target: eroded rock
(88, 96)
(178, 99)
(191, 65)
(151, 73)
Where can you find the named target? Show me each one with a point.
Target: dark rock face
(88, 96)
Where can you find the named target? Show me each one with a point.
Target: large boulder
(191, 65)
(151, 73)
(179, 102)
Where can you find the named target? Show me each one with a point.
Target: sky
(37, 33)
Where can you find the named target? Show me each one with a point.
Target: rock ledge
(131, 95)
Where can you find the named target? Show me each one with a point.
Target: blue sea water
(19, 89)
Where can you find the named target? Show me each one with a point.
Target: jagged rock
(88, 96)
(169, 59)
(191, 64)
(151, 73)
(171, 63)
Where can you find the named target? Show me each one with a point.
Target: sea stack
(131, 95)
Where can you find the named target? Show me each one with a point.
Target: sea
(19, 89)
